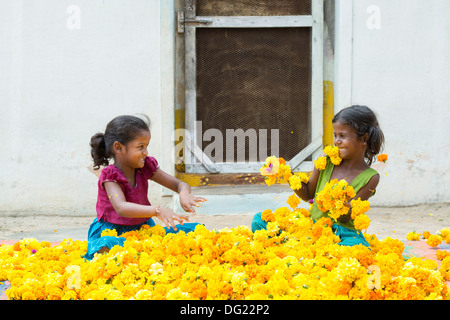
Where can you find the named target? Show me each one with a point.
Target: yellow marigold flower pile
(294, 258)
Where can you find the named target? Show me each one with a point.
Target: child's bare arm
(134, 210)
(187, 200)
(308, 189)
(367, 191)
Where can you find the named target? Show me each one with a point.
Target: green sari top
(360, 181)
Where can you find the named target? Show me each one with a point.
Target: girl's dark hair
(122, 129)
(363, 120)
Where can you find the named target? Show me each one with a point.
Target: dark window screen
(253, 7)
(256, 78)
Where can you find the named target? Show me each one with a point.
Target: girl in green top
(359, 138)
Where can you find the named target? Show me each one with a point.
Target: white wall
(399, 67)
(59, 86)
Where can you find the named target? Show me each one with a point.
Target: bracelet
(157, 210)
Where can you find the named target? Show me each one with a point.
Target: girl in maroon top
(122, 202)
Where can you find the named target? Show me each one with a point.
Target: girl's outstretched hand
(168, 217)
(188, 201)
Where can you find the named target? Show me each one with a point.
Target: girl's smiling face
(136, 150)
(348, 142)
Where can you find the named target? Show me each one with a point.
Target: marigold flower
(333, 153)
(359, 207)
(293, 201)
(17, 246)
(270, 180)
(434, 240)
(413, 236)
(348, 269)
(284, 172)
(270, 167)
(303, 212)
(267, 215)
(276, 169)
(441, 254)
(382, 157)
(445, 234)
(391, 245)
(273, 228)
(361, 222)
(296, 180)
(109, 232)
(320, 163)
(445, 268)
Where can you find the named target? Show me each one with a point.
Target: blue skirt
(348, 237)
(96, 241)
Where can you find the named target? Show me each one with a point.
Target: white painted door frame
(188, 23)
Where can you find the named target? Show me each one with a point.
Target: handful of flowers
(333, 153)
(335, 199)
(275, 169)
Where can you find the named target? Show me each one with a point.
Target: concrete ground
(393, 222)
